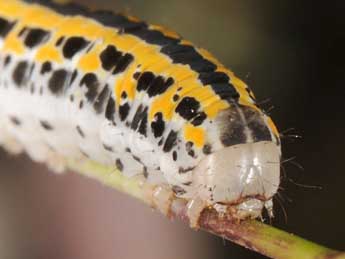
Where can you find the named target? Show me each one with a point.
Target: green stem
(252, 234)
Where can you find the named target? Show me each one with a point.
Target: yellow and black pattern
(143, 77)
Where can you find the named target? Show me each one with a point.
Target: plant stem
(251, 234)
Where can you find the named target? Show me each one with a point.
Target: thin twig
(251, 234)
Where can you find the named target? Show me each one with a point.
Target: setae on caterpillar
(112, 89)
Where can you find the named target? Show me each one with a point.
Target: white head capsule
(244, 175)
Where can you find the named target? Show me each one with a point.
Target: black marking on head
(199, 119)
(91, 82)
(188, 108)
(59, 41)
(81, 104)
(256, 124)
(74, 45)
(46, 67)
(178, 190)
(36, 37)
(57, 82)
(110, 110)
(232, 128)
(5, 27)
(109, 57)
(46, 125)
(15, 121)
(99, 103)
(80, 131)
(174, 155)
(7, 60)
(74, 76)
(20, 73)
(119, 164)
(144, 81)
(123, 111)
(158, 125)
(170, 142)
(108, 148)
(207, 149)
(123, 63)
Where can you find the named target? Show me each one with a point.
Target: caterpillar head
(245, 173)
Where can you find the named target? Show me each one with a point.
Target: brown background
(291, 52)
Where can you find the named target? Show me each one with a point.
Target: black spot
(143, 124)
(136, 158)
(15, 121)
(73, 45)
(7, 60)
(21, 32)
(178, 190)
(74, 76)
(170, 142)
(59, 41)
(139, 116)
(80, 131)
(136, 75)
(36, 37)
(46, 67)
(144, 81)
(57, 82)
(123, 63)
(91, 82)
(182, 170)
(174, 155)
(123, 111)
(108, 148)
(81, 104)
(124, 95)
(98, 105)
(71, 98)
(20, 73)
(145, 173)
(199, 119)
(176, 98)
(128, 150)
(207, 149)
(226, 91)
(189, 148)
(158, 125)
(188, 108)
(119, 165)
(110, 110)
(160, 142)
(109, 57)
(5, 27)
(159, 85)
(46, 125)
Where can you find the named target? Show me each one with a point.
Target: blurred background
(292, 55)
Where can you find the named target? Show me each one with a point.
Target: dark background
(290, 52)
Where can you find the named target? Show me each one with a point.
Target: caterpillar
(111, 88)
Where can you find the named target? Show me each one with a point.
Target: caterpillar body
(110, 88)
